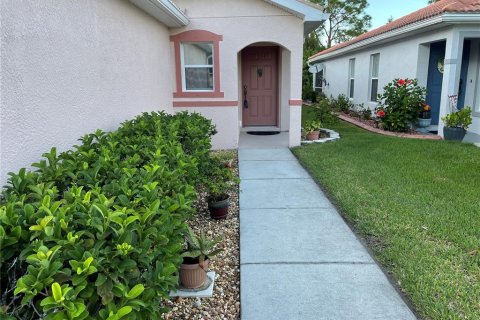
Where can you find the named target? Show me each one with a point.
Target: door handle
(245, 101)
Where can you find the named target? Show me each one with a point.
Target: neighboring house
(439, 45)
(70, 67)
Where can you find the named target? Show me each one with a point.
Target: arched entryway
(264, 83)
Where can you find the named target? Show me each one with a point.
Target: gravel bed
(225, 303)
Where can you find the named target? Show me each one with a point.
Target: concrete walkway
(298, 258)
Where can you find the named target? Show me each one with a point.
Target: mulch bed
(370, 126)
(225, 303)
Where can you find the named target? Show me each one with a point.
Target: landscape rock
(225, 303)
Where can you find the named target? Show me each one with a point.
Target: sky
(381, 10)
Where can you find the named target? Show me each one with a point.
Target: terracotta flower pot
(192, 274)
(218, 209)
(314, 135)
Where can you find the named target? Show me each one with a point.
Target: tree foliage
(347, 20)
(311, 45)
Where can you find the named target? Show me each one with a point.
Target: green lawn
(417, 203)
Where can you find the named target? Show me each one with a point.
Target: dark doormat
(263, 133)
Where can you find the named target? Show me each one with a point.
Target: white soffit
(312, 15)
(164, 11)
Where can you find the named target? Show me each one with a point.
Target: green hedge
(96, 232)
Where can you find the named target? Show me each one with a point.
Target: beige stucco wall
(69, 67)
(242, 23)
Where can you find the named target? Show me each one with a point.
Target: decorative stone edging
(333, 135)
(388, 133)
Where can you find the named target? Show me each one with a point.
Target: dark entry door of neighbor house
(462, 86)
(260, 86)
(435, 78)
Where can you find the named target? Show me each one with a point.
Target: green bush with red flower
(400, 104)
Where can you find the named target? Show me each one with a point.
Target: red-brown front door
(260, 83)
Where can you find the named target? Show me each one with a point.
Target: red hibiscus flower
(401, 82)
(380, 113)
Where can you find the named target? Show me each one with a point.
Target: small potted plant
(456, 124)
(193, 270)
(424, 118)
(312, 129)
(220, 182)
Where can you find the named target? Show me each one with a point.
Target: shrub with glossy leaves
(97, 232)
(401, 101)
(324, 112)
(342, 103)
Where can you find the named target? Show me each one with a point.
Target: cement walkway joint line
(298, 258)
(320, 262)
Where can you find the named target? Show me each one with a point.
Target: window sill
(198, 94)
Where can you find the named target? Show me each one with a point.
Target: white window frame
(322, 74)
(184, 66)
(373, 77)
(351, 78)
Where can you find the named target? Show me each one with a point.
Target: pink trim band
(193, 104)
(295, 102)
(197, 36)
(213, 94)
